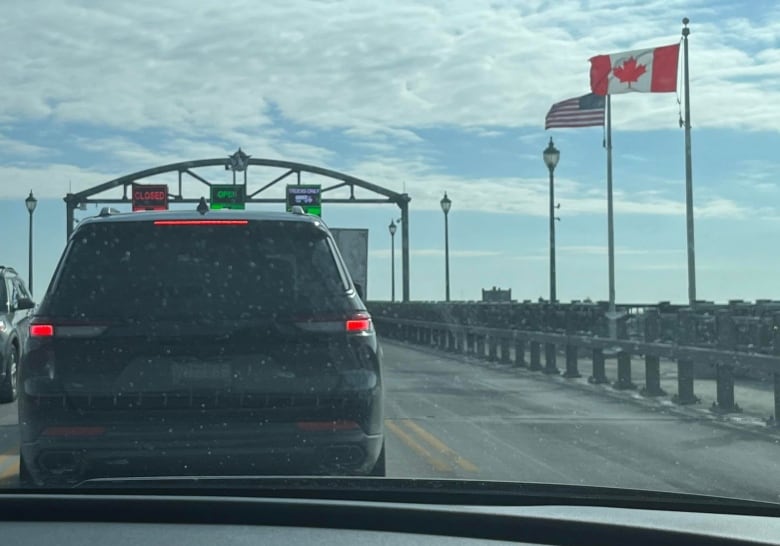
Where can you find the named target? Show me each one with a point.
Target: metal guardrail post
(727, 340)
(571, 362)
(623, 360)
(623, 372)
(506, 357)
(520, 353)
(492, 348)
(652, 363)
(685, 370)
(599, 374)
(550, 367)
(571, 350)
(480, 346)
(536, 356)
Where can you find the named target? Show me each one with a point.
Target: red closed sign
(150, 197)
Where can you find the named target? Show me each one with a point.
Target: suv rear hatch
(181, 315)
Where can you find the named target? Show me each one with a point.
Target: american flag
(584, 111)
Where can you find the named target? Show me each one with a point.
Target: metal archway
(239, 162)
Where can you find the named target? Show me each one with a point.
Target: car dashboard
(76, 519)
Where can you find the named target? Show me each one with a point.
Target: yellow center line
(435, 462)
(14, 450)
(12, 469)
(440, 446)
(9, 457)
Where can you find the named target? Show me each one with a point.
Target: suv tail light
(359, 325)
(46, 328)
(356, 323)
(41, 330)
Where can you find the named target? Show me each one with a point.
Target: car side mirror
(24, 303)
(358, 289)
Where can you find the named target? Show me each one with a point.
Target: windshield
(487, 241)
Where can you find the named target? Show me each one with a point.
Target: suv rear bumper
(64, 461)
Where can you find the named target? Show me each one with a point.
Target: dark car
(15, 306)
(178, 343)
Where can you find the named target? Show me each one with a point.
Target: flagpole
(611, 314)
(688, 172)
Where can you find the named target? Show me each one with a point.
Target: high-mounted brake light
(41, 330)
(201, 222)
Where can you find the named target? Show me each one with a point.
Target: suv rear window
(198, 272)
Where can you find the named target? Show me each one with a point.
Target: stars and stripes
(585, 111)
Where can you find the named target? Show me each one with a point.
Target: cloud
(415, 175)
(277, 79)
(601, 250)
(383, 133)
(757, 174)
(16, 149)
(50, 181)
(384, 253)
(473, 63)
(720, 208)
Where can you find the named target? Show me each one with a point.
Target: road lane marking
(412, 444)
(440, 446)
(9, 462)
(12, 469)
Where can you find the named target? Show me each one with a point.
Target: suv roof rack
(108, 211)
(297, 209)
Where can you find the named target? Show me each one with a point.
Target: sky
(420, 98)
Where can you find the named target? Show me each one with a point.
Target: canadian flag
(643, 70)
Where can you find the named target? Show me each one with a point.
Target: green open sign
(228, 196)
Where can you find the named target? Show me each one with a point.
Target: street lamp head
(392, 227)
(31, 202)
(446, 203)
(551, 156)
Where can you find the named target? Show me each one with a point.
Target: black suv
(211, 344)
(15, 305)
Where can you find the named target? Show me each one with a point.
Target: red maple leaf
(629, 71)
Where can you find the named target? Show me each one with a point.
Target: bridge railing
(727, 341)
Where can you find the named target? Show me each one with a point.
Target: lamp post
(392, 227)
(446, 203)
(31, 202)
(551, 156)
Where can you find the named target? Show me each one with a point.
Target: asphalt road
(456, 417)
